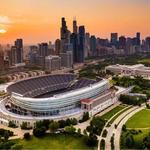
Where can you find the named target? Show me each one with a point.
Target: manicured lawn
(139, 120)
(144, 60)
(111, 113)
(115, 117)
(54, 142)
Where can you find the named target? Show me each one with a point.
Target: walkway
(83, 125)
(120, 121)
(18, 132)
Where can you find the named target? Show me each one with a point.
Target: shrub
(124, 128)
(74, 121)
(85, 117)
(70, 129)
(53, 126)
(134, 132)
(104, 133)
(79, 131)
(24, 126)
(102, 144)
(38, 132)
(12, 125)
(27, 136)
(112, 142)
(62, 123)
(129, 141)
(92, 140)
(2, 132)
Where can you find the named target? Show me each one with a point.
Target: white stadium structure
(130, 70)
(59, 96)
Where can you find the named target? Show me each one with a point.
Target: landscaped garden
(136, 132)
(112, 112)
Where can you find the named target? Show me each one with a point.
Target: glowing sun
(2, 31)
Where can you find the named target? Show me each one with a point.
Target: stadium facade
(55, 97)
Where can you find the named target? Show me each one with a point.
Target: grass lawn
(54, 142)
(115, 117)
(146, 60)
(111, 113)
(139, 120)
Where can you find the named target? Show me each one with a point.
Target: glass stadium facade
(72, 92)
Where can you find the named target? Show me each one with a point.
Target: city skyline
(35, 21)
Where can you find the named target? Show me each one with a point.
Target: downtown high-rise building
(19, 51)
(74, 42)
(93, 45)
(114, 39)
(81, 46)
(87, 51)
(64, 35)
(138, 36)
(122, 42)
(1, 58)
(75, 27)
(57, 46)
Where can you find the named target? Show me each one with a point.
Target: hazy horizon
(39, 21)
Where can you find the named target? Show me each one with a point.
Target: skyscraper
(43, 52)
(122, 42)
(87, 51)
(75, 27)
(93, 45)
(13, 55)
(19, 51)
(64, 35)
(57, 46)
(1, 59)
(138, 36)
(74, 42)
(81, 46)
(114, 38)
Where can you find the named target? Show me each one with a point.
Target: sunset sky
(39, 20)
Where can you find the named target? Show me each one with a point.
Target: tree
(46, 123)
(62, 123)
(84, 132)
(24, 125)
(53, 126)
(124, 128)
(129, 141)
(79, 131)
(68, 122)
(146, 142)
(6, 135)
(74, 121)
(38, 132)
(92, 140)
(96, 125)
(27, 136)
(70, 129)
(104, 133)
(102, 144)
(112, 142)
(12, 125)
(85, 116)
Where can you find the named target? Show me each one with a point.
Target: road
(120, 121)
(119, 128)
(83, 125)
